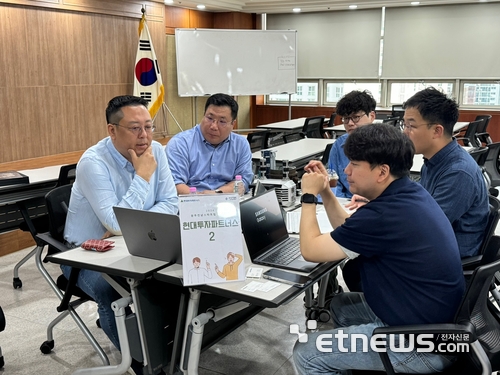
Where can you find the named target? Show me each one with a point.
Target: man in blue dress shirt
(126, 169)
(449, 173)
(210, 156)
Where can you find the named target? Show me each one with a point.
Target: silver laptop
(266, 236)
(151, 235)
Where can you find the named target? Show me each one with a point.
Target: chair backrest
(258, 140)
(479, 154)
(67, 175)
(57, 201)
(492, 163)
(397, 111)
(474, 309)
(326, 154)
(313, 127)
(484, 125)
(489, 230)
(332, 119)
(470, 137)
(292, 137)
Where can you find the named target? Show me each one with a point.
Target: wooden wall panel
(127, 8)
(175, 18)
(60, 69)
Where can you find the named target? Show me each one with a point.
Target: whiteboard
(236, 62)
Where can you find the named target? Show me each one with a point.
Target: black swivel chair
(40, 223)
(487, 252)
(313, 127)
(474, 318)
(482, 130)
(258, 140)
(470, 137)
(492, 166)
(57, 201)
(326, 154)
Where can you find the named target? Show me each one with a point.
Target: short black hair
(435, 108)
(356, 101)
(223, 100)
(114, 112)
(380, 144)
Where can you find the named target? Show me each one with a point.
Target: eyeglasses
(354, 119)
(412, 127)
(222, 123)
(137, 130)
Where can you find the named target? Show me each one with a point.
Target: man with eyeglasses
(449, 173)
(210, 156)
(125, 169)
(357, 108)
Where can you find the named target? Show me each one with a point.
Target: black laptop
(266, 236)
(150, 234)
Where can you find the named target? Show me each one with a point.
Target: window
(483, 94)
(337, 89)
(399, 92)
(306, 92)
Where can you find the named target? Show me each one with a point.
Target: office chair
(2, 327)
(40, 223)
(482, 133)
(313, 127)
(326, 154)
(57, 201)
(470, 137)
(473, 318)
(492, 166)
(275, 140)
(292, 137)
(397, 111)
(258, 140)
(331, 122)
(487, 252)
(392, 121)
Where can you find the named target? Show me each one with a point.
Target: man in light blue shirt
(210, 156)
(126, 169)
(357, 108)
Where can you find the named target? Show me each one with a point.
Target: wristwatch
(218, 191)
(308, 198)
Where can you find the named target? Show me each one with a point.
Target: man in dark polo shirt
(406, 249)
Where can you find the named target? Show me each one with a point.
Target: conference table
(23, 202)
(298, 153)
(163, 338)
(289, 126)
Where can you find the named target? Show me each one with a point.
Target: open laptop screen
(262, 223)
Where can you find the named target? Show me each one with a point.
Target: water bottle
(192, 190)
(239, 187)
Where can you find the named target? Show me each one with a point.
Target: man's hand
(356, 202)
(314, 182)
(144, 165)
(316, 166)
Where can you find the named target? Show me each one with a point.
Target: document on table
(293, 218)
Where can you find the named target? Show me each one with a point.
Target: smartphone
(286, 277)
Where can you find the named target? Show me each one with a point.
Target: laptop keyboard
(284, 253)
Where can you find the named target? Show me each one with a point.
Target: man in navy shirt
(406, 249)
(449, 173)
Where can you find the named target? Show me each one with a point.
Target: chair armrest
(49, 240)
(470, 263)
